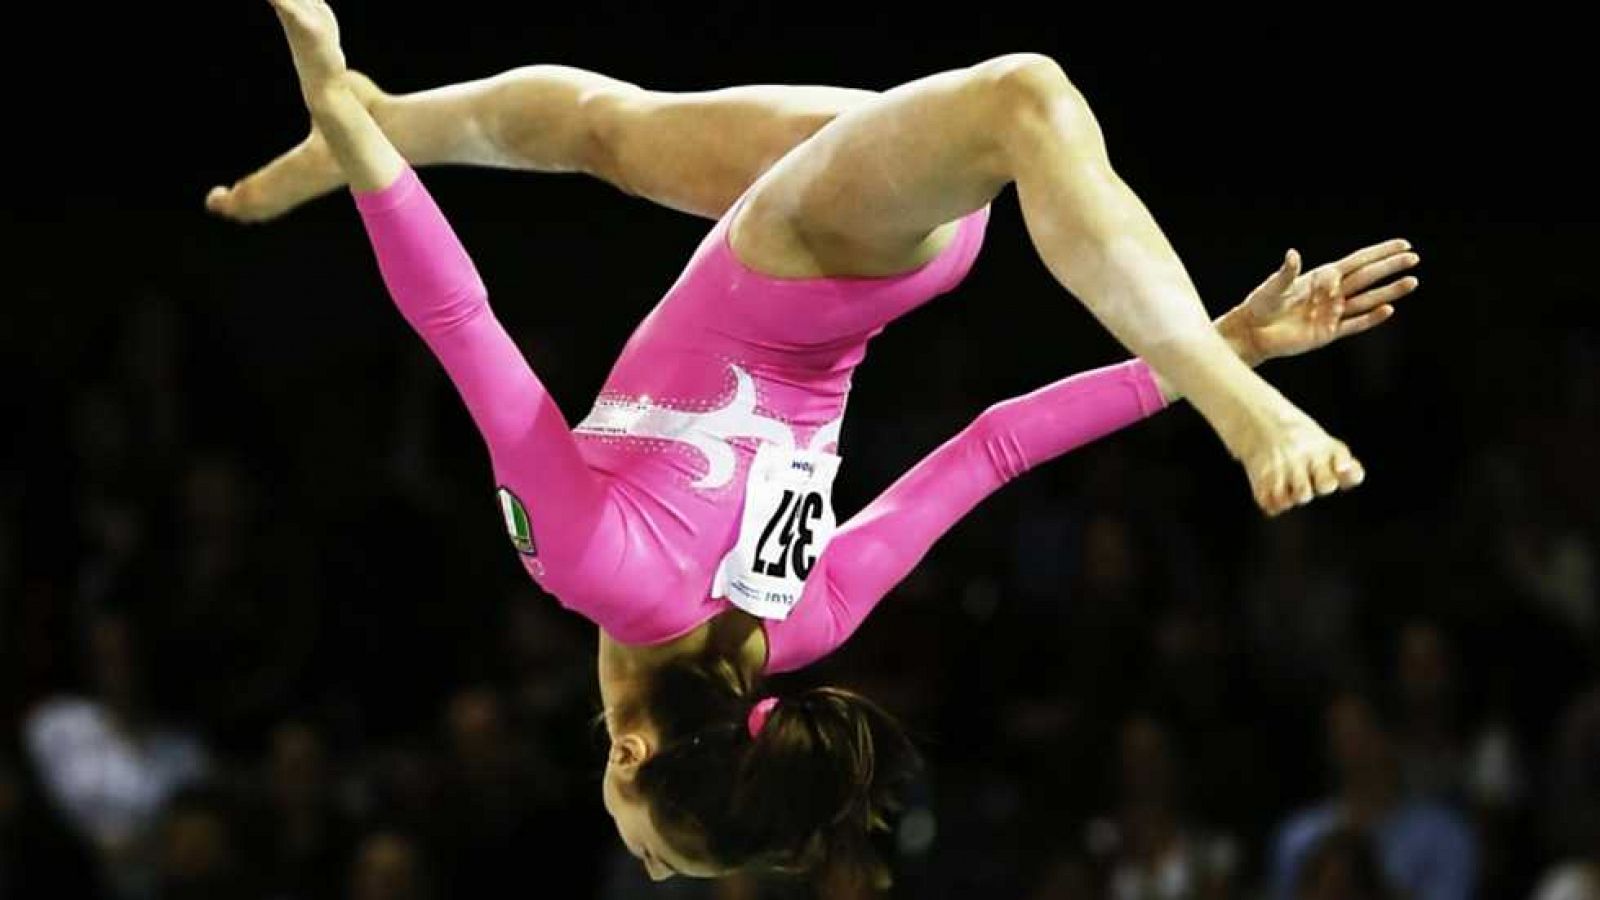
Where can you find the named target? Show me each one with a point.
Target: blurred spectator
(107, 767)
(1065, 877)
(1544, 558)
(1570, 881)
(1448, 756)
(238, 611)
(198, 854)
(39, 856)
(1432, 749)
(1108, 606)
(1300, 606)
(1198, 676)
(1343, 866)
(1443, 756)
(111, 516)
(550, 656)
(1149, 848)
(389, 866)
(1426, 849)
(1574, 816)
(403, 787)
(492, 808)
(303, 838)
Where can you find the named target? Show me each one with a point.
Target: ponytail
(821, 774)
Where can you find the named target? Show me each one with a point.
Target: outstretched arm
(555, 499)
(1287, 315)
(696, 152)
(365, 158)
(879, 546)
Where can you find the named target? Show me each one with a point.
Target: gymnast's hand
(309, 170)
(1294, 312)
(313, 35)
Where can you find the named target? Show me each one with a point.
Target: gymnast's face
(635, 825)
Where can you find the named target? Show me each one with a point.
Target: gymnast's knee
(1030, 94)
(610, 116)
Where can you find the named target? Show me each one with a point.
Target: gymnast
(689, 515)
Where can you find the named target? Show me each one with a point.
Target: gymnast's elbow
(991, 438)
(449, 310)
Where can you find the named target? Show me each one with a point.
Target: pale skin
(816, 212)
(872, 188)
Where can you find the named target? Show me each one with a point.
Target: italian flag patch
(517, 527)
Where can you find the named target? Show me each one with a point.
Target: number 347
(796, 514)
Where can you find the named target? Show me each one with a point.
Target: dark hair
(811, 787)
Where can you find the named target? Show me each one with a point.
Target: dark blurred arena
(261, 637)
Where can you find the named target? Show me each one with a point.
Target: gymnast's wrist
(329, 98)
(1240, 337)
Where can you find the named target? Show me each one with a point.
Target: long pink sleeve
(879, 546)
(438, 291)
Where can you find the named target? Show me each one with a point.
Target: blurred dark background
(260, 636)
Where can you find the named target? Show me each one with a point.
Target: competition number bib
(788, 521)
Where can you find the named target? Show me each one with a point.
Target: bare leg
(696, 152)
(868, 195)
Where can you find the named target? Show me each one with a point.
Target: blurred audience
(492, 807)
(1443, 756)
(390, 866)
(292, 556)
(198, 854)
(302, 834)
(1149, 848)
(1573, 819)
(1343, 866)
(106, 765)
(1426, 849)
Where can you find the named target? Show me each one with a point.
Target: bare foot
(308, 170)
(1294, 462)
(305, 173)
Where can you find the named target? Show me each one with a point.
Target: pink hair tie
(759, 713)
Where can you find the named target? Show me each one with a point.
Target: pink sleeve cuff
(1144, 385)
(386, 199)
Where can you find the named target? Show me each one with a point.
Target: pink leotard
(629, 515)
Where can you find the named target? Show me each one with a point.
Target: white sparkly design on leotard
(710, 431)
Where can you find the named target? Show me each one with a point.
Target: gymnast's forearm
(367, 159)
(427, 270)
(877, 548)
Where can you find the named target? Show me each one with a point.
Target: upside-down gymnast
(689, 515)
